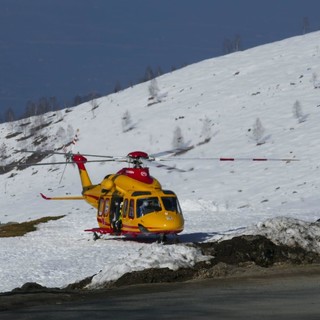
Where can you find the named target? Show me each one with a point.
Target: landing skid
(164, 238)
(96, 236)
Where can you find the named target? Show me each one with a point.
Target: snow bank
(287, 231)
(152, 256)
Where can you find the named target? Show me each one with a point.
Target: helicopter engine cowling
(107, 185)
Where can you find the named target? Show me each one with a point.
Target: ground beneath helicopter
(238, 258)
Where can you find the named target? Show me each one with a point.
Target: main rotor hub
(138, 155)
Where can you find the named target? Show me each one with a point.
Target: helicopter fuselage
(131, 202)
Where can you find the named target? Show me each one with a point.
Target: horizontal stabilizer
(63, 197)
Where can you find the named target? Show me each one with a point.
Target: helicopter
(129, 202)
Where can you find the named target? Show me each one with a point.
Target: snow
(288, 231)
(221, 98)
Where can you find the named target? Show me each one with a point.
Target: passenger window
(125, 208)
(131, 209)
(106, 207)
(101, 207)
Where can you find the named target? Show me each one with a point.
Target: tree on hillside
(305, 25)
(117, 87)
(3, 154)
(315, 81)
(149, 74)
(77, 100)
(234, 45)
(206, 129)
(258, 132)
(178, 140)
(30, 109)
(70, 132)
(9, 115)
(297, 112)
(126, 122)
(155, 96)
(59, 116)
(61, 136)
(153, 89)
(159, 72)
(237, 46)
(53, 102)
(42, 106)
(94, 105)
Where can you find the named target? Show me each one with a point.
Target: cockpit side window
(147, 205)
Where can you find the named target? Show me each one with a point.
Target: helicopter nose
(167, 223)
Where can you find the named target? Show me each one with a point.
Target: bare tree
(117, 87)
(305, 25)
(9, 115)
(178, 140)
(153, 89)
(70, 132)
(237, 43)
(94, 105)
(149, 74)
(234, 45)
(297, 112)
(227, 46)
(206, 129)
(159, 71)
(61, 135)
(258, 132)
(315, 81)
(3, 154)
(127, 124)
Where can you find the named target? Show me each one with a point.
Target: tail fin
(80, 160)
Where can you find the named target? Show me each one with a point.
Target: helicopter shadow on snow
(192, 237)
(206, 236)
(170, 239)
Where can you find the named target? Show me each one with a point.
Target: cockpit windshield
(171, 204)
(147, 205)
(152, 204)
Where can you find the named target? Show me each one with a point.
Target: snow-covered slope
(215, 103)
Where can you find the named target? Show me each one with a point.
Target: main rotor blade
(230, 159)
(160, 165)
(51, 152)
(56, 163)
(169, 152)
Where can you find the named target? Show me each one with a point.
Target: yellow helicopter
(130, 201)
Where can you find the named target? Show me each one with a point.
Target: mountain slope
(215, 104)
(222, 97)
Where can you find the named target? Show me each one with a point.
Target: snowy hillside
(263, 102)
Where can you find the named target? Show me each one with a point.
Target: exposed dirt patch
(256, 249)
(20, 229)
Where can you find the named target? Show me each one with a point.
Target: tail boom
(63, 197)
